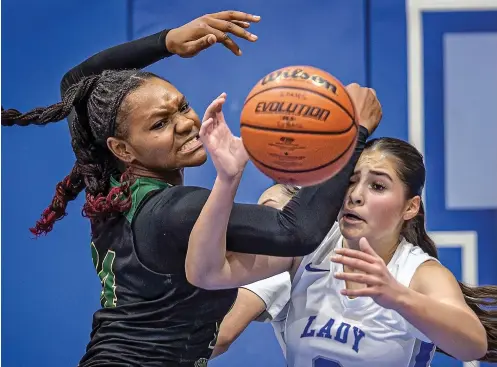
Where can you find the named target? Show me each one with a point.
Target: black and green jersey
(151, 315)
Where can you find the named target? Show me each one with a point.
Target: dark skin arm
(185, 41)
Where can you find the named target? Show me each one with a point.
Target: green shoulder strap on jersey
(139, 190)
(105, 269)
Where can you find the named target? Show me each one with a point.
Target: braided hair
(97, 110)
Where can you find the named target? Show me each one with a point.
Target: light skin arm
(208, 265)
(224, 269)
(248, 306)
(433, 303)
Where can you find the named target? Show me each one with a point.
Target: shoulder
(176, 195)
(171, 205)
(407, 260)
(431, 276)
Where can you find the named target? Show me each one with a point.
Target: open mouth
(349, 217)
(191, 145)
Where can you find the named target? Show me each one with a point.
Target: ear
(121, 150)
(412, 208)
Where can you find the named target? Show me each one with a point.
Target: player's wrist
(229, 182)
(405, 299)
(167, 36)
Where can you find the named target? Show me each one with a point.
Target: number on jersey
(106, 274)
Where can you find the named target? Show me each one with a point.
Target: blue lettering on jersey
(306, 333)
(341, 334)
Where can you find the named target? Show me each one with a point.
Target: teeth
(189, 144)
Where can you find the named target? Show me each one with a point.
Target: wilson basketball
(298, 125)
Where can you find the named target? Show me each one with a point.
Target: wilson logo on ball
(299, 74)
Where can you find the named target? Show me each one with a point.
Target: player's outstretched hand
(201, 33)
(372, 272)
(227, 151)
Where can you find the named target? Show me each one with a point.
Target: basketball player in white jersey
(383, 299)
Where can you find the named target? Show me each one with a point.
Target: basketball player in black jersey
(133, 133)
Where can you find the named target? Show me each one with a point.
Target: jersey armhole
(146, 199)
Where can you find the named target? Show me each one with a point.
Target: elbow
(475, 354)
(480, 344)
(201, 278)
(476, 349)
(224, 342)
(194, 276)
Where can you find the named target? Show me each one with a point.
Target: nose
(356, 196)
(183, 125)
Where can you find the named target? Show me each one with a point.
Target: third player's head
(383, 201)
(278, 195)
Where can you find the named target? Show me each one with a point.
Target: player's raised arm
(185, 41)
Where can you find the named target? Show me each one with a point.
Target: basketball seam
(306, 170)
(308, 90)
(264, 128)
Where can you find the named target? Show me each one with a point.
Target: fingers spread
(230, 27)
(241, 24)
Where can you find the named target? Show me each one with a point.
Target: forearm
(135, 54)
(455, 330)
(206, 254)
(299, 228)
(248, 306)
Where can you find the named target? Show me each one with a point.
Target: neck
(384, 247)
(173, 177)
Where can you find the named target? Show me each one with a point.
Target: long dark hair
(97, 110)
(411, 170)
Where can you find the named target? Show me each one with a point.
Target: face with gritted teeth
(162, 131)
(375, 205)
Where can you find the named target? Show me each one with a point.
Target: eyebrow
(376, 173)
(164, 111)
(379, 173)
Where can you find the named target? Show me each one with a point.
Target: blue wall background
(49, 287)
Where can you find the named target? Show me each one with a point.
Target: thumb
(205, 127)
(366, 247)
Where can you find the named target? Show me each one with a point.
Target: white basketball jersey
(275, 292)
(326, 329)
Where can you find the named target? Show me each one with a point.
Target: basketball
(298, 125)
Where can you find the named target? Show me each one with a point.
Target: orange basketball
(298, 125)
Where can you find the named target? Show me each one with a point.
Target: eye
(185, 107)
(352, 180)
(378, 186)
(159, 125)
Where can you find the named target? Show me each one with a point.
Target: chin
(198, 158)
(351, 233)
